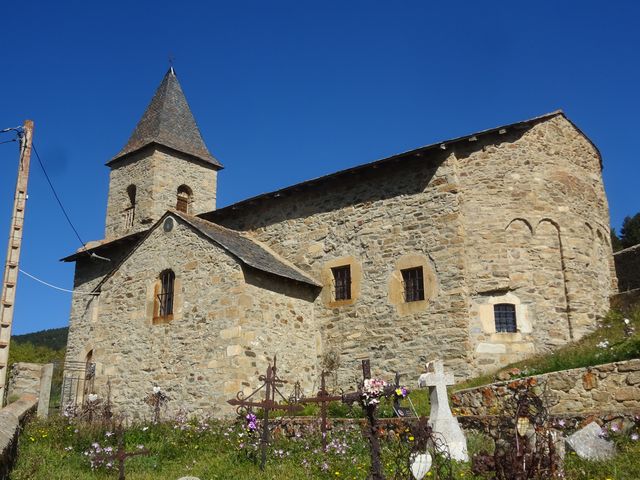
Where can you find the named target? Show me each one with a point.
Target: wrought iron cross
(121, 455)
(270, 383)
(323, 398)
(370, 410)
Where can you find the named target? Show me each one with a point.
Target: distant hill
(54, 338)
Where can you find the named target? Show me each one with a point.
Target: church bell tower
(164, 165)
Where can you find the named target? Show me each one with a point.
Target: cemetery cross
(323, 398)
(120, 454)
(271, 382)
(370, 411)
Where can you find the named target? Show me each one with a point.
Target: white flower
(603, 344)
(156, 390)
(92, 397)
(626, 321)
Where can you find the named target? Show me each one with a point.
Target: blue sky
(287, 91)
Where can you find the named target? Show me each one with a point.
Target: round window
(168, 224)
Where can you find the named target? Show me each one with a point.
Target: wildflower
(68, 449)
(635, 437)
(92, 398)
(614, 427)
(156, 390)
(108, 434)
(144, 429)
(603, 344)
(140, 447)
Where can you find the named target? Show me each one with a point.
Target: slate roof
(326, 180)
(168, 121)
(102, 245)
(247, 250)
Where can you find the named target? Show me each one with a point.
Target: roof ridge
(374, 163)
(194, 220)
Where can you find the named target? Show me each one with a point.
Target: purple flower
(635, 436)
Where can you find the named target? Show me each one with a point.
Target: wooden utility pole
(10, 277)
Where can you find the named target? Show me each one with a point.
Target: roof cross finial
(171, 59)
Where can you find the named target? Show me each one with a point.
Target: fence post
(45, 390)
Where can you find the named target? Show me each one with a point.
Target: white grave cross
(437, 381)
(441, 419)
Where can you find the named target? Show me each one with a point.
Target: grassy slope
(55, 450)
(582, 353)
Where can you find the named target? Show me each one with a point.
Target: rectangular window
(342, 282)
(413, 280)
(505, 317)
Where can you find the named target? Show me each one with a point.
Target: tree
(616, 244)
(630, 231)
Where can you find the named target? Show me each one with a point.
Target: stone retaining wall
(612, 387)
(628, 268)
(25, 378)
(11, 419)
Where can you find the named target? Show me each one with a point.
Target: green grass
(54, 449)
(583, 353)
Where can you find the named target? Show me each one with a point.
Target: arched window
(130, 211)
(164, 297)
(184, 198)
(505, 317)
(90, 367)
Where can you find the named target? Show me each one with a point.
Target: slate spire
(168, 121)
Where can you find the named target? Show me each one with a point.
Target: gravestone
(441, 419)
(589, 444)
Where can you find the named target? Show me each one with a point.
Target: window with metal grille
(165, 297)
(413, 280)
(342, 282)
(130, 211)
(505, 317)
(184, 198)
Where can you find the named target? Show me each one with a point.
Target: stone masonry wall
(628, 268)
(85, 306)
(228, 322)
(157, 172)
(538, 222)
(519, 217)
(379, 221)
(25, 378)
(612, 387)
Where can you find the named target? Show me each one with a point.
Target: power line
(57, 288)
(64, 211)
(9, 141)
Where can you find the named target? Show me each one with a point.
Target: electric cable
(64, 211)
(57, 288)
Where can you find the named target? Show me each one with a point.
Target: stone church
(480, 250)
